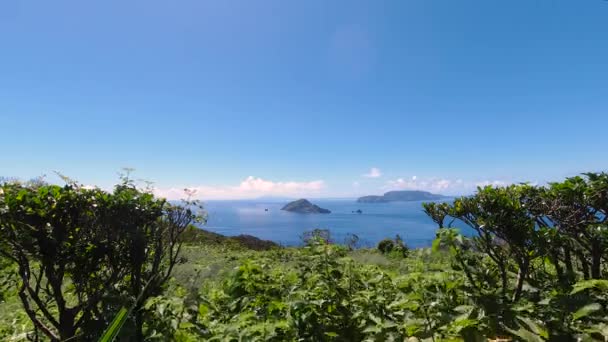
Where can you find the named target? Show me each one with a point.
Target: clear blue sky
(304, 96)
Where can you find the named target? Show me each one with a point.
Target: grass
(14, 323)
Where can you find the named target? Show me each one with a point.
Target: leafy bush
(533, 249)
(82, 253)
(386, 246)
(316, 237)
(394, 247)
(351, 241)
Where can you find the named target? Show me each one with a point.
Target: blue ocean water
(378, 221)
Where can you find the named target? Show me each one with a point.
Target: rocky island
(303, 206)
(401, 196)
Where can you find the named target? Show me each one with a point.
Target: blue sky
(313, 98)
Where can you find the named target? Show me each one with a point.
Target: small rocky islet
(303, 206)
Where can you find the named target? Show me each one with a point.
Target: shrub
(351, 241)
(386, 246)
(316, 237)
(393, 247)
(82, 253)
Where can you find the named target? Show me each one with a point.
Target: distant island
(303, 206)
(400, 196)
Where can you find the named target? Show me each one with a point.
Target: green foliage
(321, 293)
(315, 293)
(114, 328)
(351, 241)
(536, 261)
(8, 278)
(438, 212)
(316, 237)
(534, 269)
(197, 236)
(386, 246)
(80, 253)
(393, 247)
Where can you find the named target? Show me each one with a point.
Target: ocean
(376, 222)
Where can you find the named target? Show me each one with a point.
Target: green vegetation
(80, 254)
(393, 247)
(534, 269)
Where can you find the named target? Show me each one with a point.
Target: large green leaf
(436, 244)
(535, 327)
(526, 335)
(114, 327)
(586, 311)
(599, 284)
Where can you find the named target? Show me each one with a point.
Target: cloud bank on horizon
(251, 187)
(255, 187)
(440, 185)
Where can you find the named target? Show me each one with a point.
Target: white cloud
(374, 172)
(250, 187)
(440, 185)
(433, 185)
(492, 183)
(356, 184)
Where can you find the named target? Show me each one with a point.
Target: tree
(438, 212)
(507, 237)
(503, 215)
(81, 253)
(577, 208)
